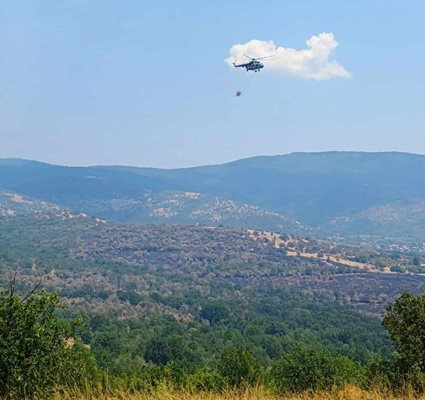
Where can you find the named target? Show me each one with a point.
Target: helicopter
(253, 65)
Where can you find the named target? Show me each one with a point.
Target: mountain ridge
(321, 190)
(5, 160)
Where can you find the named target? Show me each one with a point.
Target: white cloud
(311, 63)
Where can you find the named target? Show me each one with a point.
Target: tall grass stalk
(165, 392)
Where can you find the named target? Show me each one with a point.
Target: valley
(136, 262)
(72, 250)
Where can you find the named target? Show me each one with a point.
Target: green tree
(131, 296)
(161, 350)
(311, 369)
(106, 346)
(239, 368)
(405, 323)
(35, 356)
(215, 312)
(80, 367)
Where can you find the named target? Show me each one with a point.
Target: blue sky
(145, 83)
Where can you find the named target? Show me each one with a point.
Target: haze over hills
(132, 198)
(341, 192)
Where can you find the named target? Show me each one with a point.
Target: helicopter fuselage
(253, 65)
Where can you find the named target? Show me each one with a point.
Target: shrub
(309, 369)
(34, 354)
(162, 350)
(239, 368)
(204, 379)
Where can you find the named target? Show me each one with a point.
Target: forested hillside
(230, 286)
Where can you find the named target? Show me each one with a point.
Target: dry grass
(164, 393)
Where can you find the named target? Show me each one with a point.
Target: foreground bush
(239, 368)
(308, 369)
(205, 380)
(36, 355)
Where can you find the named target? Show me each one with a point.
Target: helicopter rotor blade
(259, 58)
(262, 58)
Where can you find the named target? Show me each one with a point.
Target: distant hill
(344, 192)
(403, 220)
(189, 208)
(128, 197)
(14, 205)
